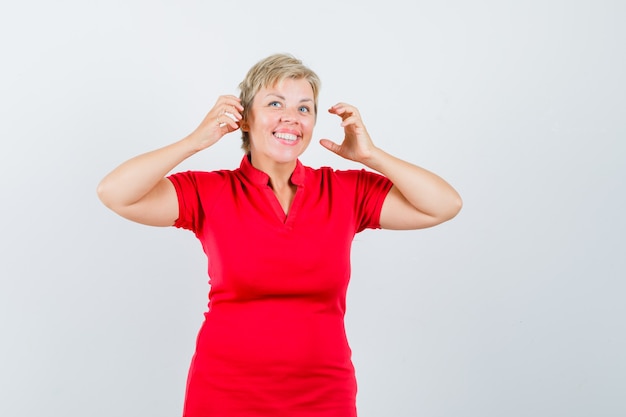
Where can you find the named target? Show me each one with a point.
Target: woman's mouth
(286, 138)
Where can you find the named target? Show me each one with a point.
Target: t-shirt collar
(261, 178)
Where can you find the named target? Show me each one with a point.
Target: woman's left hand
(357, 144)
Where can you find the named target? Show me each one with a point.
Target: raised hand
(357, 144)
(225, 117)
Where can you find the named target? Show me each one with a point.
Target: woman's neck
(279, 173)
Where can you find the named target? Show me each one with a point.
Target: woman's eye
(304, 109)
(274, 104)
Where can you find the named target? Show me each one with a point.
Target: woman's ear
(244, 126)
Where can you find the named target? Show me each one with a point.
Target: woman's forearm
(138, 190)
(135, 178)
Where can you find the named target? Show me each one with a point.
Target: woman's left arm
(418, 198)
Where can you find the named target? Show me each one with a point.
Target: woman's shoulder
(204, 180)
(346, 173)
(203, 174)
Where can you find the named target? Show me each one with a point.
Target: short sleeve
(196, 192)
(371, 190)
(189, 207)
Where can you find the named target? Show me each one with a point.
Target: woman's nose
(290, 114)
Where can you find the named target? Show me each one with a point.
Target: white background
(514, 308)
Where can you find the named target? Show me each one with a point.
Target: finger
(340, 106)
(343, 110)
(229, 103)
(228, 123)
(229, 115)
(338, 110)
(234, 107)
(330, 145)
(233, 125)
(228, 98)
(232, 112)
(226, 114)
(354, 121)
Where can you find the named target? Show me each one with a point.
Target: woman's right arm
(138, 188)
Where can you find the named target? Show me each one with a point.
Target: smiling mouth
(286, 137)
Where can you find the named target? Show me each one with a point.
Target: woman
(277, 236)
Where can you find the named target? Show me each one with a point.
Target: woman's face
(280, 122)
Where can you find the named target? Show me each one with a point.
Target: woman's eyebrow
(283, 98)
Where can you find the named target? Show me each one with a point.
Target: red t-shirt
(273, 342)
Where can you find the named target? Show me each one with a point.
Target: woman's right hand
(138, 188)
(225, 117)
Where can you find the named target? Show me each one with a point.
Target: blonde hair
(267, 73)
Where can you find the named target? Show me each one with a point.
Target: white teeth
(286, 136)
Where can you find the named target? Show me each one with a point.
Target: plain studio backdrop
(514, 308)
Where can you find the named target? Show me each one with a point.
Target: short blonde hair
(267, 73)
